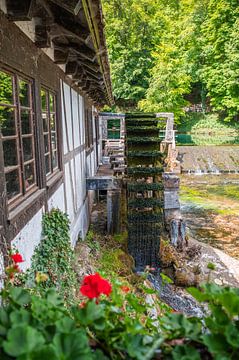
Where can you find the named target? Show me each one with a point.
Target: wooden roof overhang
(74, 29)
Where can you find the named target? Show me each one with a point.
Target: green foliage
(36, 327)
(144, 187)
(153, 153)
(144, 202)
(54, 255)
(120, 327)
(220, 41)
(145, 216)
(166, 54)
(130, 31)
(144, 171)
(142, 139)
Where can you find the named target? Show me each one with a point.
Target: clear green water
(210, 206)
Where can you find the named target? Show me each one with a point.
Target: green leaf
(197, 294)
(91, 313)
(185, 352)
(65, 325)
(19, 296)
(4, 319)
(21, 340)
(216, 343)
(232, 335)
(46, 352)
(72, 346)
(20, 316)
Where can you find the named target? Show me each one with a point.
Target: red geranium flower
(94, 285)
(17, 258)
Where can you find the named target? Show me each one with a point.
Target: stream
(210, 206)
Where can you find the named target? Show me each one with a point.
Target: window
(17, 132)
(48, 103)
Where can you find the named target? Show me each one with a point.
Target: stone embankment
(208, 159)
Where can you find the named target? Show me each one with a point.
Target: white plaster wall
(28, 238)
(82, 123)
(67, 112)
(68, 192)
(76, 119)
(57, 200)
(63, 111)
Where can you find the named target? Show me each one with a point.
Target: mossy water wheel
(144, 188)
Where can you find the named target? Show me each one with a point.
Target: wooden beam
(20, 10)
(42, 39)
(71, 23)
(73, 6)
(60, 56)
(90, 65)
(71, 68)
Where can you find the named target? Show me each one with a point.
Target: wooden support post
(113, 211)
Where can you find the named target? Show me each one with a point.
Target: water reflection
(210, 205)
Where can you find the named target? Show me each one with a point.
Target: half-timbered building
(54, 77)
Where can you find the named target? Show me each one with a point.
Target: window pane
(7, 121)
(47, 163)
(26, 122)
(45, 123)
(29, 174)
(43, 100)
(12, 184)
(52, 122)
(6, 91)
(53, 140)
(46, 144)
(24, 93)
(51, 102)
(27, 149)
(54, 160)
(10, 152)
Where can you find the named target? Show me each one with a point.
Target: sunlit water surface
(210, 206)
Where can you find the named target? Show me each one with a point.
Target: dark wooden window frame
(20, 212)
(24, 192)
(53, 171)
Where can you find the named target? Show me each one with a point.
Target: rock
(186, 278)
(218, 281)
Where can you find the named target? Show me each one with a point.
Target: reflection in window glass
(51, 102)
(54, 160)
(24, 93)
(26, 122)
(7, 121)
(53, 140)
(43, 100)
(6, 88)
(16, 124)
(49, 131)
(27, 148)
(12, 184)
(10, 152)
(47, 164)
(29, 174)
(45, 122)
(52, 121)
(46, 143)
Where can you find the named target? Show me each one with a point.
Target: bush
(116, 323)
